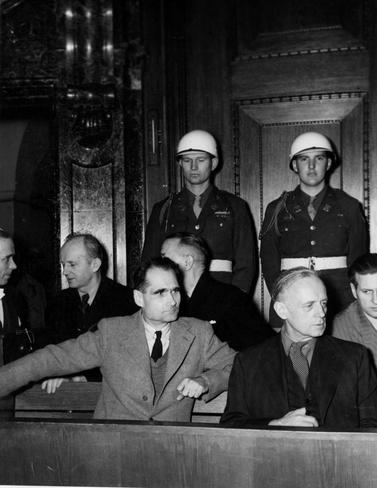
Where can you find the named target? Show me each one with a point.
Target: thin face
(303, 307)
(197, 167)
(7, 264)
(160, 299)
(311, 167)
(366, 293)
(78, 268)
(170, 249)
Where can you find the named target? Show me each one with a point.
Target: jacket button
(312, 243)
(312, 227)
(197, 227)
(145, 398)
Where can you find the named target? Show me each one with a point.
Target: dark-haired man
(153, 364)
(358, 322)
(91, 296)
(230, 311)
(301, 377)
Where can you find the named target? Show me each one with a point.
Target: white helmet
(197, 140)
(307, 141)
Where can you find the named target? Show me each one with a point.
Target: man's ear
(281, 310)
(189, 261)
(138, 297)
(353, 289)
(215, 163)
(96, 264)
(294, 166)
(329, 163)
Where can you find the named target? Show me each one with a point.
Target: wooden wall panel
(262, 149)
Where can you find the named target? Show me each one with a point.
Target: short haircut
(365, 264)
(288, 277)
(4, 234)
(92, 245)
(196, 242)
(166, 264)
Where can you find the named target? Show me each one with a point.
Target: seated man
(91, 296)
(358, 322)
(153, 364)
(302, 378)
(229, 310)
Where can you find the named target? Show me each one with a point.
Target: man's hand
(295, 418)
(192, 388)
(53, 384)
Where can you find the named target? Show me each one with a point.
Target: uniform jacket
(352, 325)
(225, 223)
(342, 377)
(119, 347)
(234, 318)
(338, 229)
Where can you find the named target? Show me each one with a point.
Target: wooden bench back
(78, 400)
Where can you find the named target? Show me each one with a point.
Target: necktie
(196, 207)
(157, 347)
(299, 362)
(84, 303)
(311, 210)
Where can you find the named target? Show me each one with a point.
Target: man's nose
(173, 298)
(374, 296)
(311, 163)
(194, 164)
(12, 264)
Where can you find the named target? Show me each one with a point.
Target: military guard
(315, 226)
(222, 219)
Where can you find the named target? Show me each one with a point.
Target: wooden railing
(78, 401)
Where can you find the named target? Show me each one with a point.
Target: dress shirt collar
(150, 334)
(203, 197)
(307, 346)
(317, 200)
(2, 293)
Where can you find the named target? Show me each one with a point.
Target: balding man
(300, 377)
(90, 297)
(229, 310)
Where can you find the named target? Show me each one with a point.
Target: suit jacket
(65, 319)
(234, 318)
(341, 374)
(119, 347)
(352, 325)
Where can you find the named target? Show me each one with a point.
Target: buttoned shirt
(150, 334)
(307, 349)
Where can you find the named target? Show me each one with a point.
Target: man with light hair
(301, 377)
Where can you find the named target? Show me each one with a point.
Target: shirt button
(286, 229)
(145, 398)
(221, 224)
(312, 243)
(197, 227)
(312, 227)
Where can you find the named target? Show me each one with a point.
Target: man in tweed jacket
(192, 362)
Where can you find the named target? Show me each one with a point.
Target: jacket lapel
(181, 338)
(135, 345)
(325, 369)
(274, 379)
